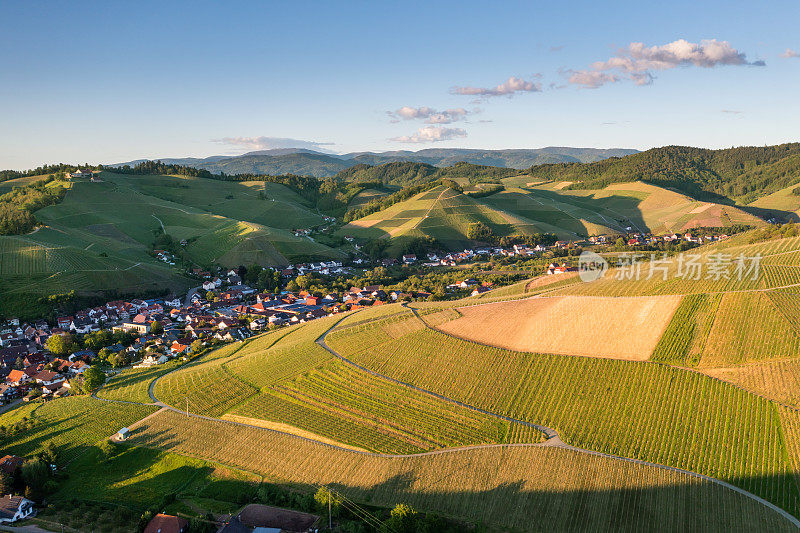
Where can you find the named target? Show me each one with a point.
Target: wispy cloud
(510, 87)
(731, 111)
(789, 53)
(636, 62)
(269, 143)
(557, 48)
(590, 79)
(430, 115)
(428, 134)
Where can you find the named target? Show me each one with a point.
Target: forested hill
(743, 174)
(407, 173)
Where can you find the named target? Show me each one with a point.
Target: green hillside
(527, 207)
(743, 174)
(100, 236)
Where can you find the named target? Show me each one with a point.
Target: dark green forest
(742, 174)
(17, 206)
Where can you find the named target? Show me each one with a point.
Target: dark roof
(235, 526)
(9, 505)
(256, 515)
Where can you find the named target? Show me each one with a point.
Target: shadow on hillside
(551, 207)
(766, 214)
(580, 495)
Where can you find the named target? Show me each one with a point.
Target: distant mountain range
(311, 163)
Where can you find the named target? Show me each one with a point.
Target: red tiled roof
(164, 523)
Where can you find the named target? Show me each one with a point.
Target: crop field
(350, 406)
(670, 416)
(280, 207)
(749, 327)
(228, 376)
(98, 237)
(782, 200)
(369, 314)
(549, 213)
(598, 327)
(277, 363)
(7, 185)
(72, 424)
(131, 384)
(366, 196)
(642, 206)
(352, 339)
(235, 244)
(501, 486)
(684, 338)
(776, 380)
(208, 388)
(294, 383)
(640, 280)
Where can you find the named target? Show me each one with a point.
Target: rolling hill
(99, 238)
(311, 163)
(526, 207)
(742, 174)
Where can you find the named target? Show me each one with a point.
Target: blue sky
(113, 81)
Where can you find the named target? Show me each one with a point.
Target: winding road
(552, 437)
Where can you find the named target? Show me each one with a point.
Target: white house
(13, 508)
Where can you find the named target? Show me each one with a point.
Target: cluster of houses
(640, 239)
(165, 257)
(163, 329)
(24, 363)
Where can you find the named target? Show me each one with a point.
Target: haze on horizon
(110, 83)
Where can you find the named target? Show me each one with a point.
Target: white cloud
(789, 53)
(430, 115)
(732, 111)
(509, 87)
(637, 61)
(269, 143)
(429, 134)
(590, 79)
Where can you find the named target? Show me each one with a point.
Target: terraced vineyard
(131, 385)
(502, 487)
(284, 380)
(650, 412)
(749, 327)
(682, 342)
(350, 406)
(206, 389)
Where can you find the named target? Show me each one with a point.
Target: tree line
(18, 205)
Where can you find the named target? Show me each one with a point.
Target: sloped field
(624, 328)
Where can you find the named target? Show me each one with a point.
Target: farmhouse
(256, 517)
(81, 174)
(10, 464)
(164, 523)
(13, 508)
(17, 377)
